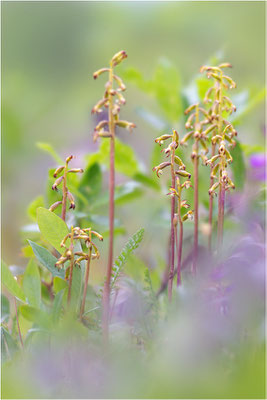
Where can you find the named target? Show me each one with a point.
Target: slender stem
(211, 202)
(86, 279)
(221, 197)
(171, 274)
(19, 332)
(71, 266)
(180, 247)
(195, 254)
(221, 201)
(64, 192)
(106, 294)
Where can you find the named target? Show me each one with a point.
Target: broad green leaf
(32, 209)
(76, 287)
(59, 284)
(32, 284)
(46, 147)
(11, 284)
(46, 259)
(35, 315)
(238, 166)
(91, 182)
(57, 305)
(52, 228)
(5, 308)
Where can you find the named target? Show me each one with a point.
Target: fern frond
(121, 260)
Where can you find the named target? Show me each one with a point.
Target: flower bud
(214, 171)
(184, 174)
(230, 81)
(121, 98)
(58, 170)
(120, 83)
(160, 139)
(99, 105)
(213, 188)
(212, 159)
(186, 138)
(57, 182)
(100, 237)
(99, 72)
(179, 162)
(68, 159)
(55, 205)
(71, 200)
(190, 108)
(225, 65)
(118, 57)
(76, 170)
(125, 124)
(175, 136)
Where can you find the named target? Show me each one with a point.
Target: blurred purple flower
(258, 164)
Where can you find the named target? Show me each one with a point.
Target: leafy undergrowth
(207, 343)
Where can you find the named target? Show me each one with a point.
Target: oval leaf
(52, 228)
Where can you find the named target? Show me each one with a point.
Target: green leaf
(57, 305)
(46, 259)
(59, 284)
(5, 308)
(52, 228)
(8, 345)
(32, 284)
(121, 260)
(11, 284)
(76, 288)
(46, 147)
(238, 166)
(32, 209)
(35, 315)
(91, 182)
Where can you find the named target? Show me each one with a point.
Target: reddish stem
(71, 266)
(171, 274)
(64, 192)
(180, 248)
(106, 293)
(86, 279)
(211, 202)
(221, 201)
(195, 253)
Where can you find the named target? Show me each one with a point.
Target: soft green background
(51, 49)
